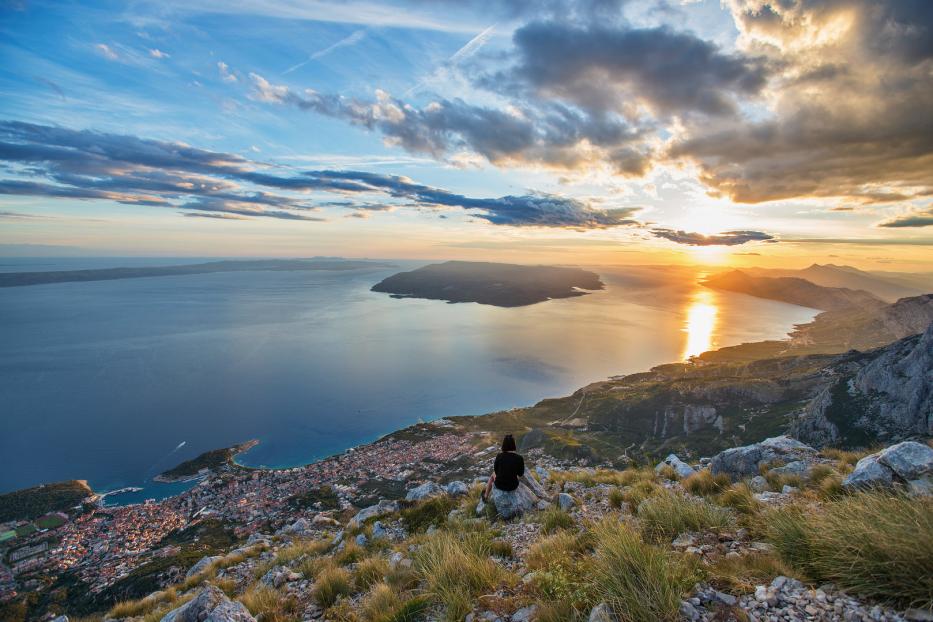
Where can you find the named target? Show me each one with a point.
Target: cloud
(105, 50)
(138, 171)
(728, 238)
(556, 136)
(575, 96)
(157, 53)
(607, 69)
(923, 218)
(225, 74)
(763, 120)
(849, 109)
(351, 39)
(213, 216)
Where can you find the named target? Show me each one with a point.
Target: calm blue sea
(116, 381)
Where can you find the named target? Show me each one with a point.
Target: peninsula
(207, 462)
(497, 284)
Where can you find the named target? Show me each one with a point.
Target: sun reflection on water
(700, 324)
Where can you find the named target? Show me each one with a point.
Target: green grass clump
(269, 605)
(742, 574)
(638, 492)
(831, 487)
(332, 583)
(566, 586)
(383, 604)
(350, 553)
(704, 483)
(611, 477)
(740, 498)
(616, 497)
(668, 472)
(456, 568)
(554, 519)
(560, 546)
(876, 544)
(432, 511)
(668, 514)
(136, 608)
(845, 457)
(369, 571)
(777, 482)
(818, 473)
(639, 581)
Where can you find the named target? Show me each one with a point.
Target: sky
(741, 132)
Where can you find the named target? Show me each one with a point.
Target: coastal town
(100, 544)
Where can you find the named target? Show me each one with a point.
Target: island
(20, 279)
(496, 284)
(207, 462)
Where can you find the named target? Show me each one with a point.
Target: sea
(116, 381)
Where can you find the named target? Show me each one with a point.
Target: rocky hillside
(853, 399)
(718, 539)
(882, 396)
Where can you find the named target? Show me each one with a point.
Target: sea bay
(116, 381)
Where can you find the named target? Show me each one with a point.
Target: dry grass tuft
(704, 483)
(669, 514)
(637, 580)
(877, 544)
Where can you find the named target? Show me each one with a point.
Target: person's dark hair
(508, 443)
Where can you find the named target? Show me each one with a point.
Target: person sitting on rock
(507, 488)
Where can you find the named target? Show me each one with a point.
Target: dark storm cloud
(603, 69)
(729, 238)
(922, 218)
(540, 210)
(137, 171)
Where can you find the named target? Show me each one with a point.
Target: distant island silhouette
(19, 279)
(497, 284)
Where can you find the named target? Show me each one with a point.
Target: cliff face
(886, 394)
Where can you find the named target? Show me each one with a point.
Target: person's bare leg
(489, 482)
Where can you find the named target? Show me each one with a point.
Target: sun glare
(700, 323)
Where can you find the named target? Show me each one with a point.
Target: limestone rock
(744, 461)
(565, 501)
(210, 605)
(884, 395)
(383, 507)
(797, 467)
(424, 491)
(299, 527)
(457, 488)
(869, 473)
(680, 467)
(525, 614)
(909, 460)
(201, 565)
(513, 503)
(909, 463)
